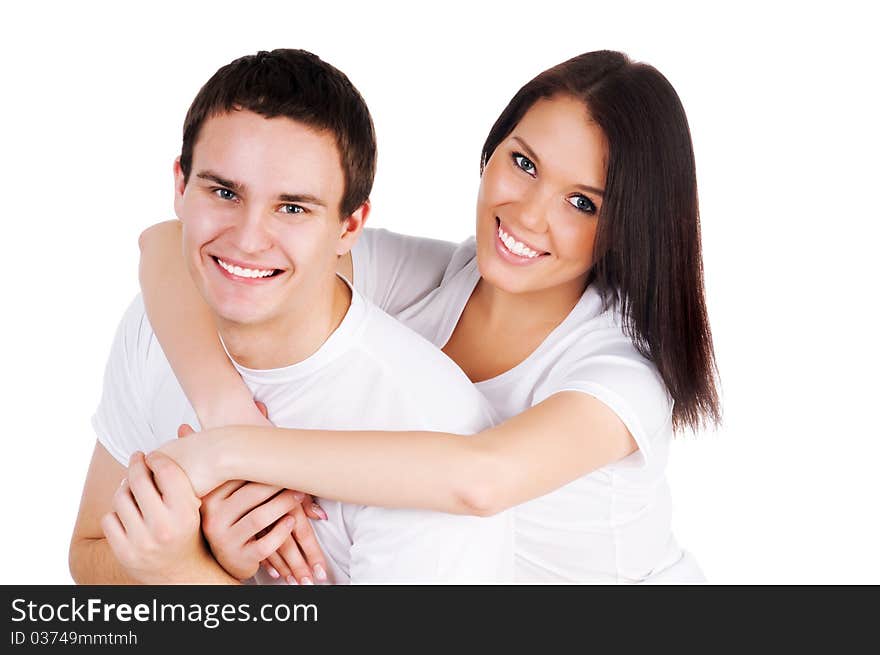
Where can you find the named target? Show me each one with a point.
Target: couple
(576, 318)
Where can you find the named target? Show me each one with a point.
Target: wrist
(229, 409)
(222, 454)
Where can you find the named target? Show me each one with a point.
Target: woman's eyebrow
(531, 154)
(525, 146)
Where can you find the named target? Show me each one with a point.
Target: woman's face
(539, 198)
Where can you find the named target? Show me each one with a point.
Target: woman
(578, 312)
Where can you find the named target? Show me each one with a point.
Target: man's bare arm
(90, 558)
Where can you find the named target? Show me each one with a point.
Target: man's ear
(179, 186)
(352, 226)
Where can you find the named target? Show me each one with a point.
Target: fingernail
(320, 573)
(272, 572)
(320, 511)
(307, 581)
(299, 496)
(291, 580)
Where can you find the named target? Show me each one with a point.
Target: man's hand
(245, 522)
(237, 520)
(153, 528)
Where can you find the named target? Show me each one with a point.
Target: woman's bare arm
(184, 326)
(529, 455)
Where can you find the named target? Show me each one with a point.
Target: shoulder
(595, 354)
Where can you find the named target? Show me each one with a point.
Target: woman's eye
(524, 163)
(582, 203)
(292, 209)
(224, 194)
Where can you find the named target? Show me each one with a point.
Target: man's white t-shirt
(611, 525)
(372, 373)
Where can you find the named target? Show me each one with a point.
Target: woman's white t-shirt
(611, 525)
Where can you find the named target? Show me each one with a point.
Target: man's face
(260, 212)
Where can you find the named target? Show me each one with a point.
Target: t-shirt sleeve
(121, 422)
(607, 366)
(395, 271)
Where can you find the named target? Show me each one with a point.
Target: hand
(299, 559)
(241, 522)
(245, 522)
(194, 455)
(153, 528)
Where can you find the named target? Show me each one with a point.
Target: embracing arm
(184, 326)
(560, 439)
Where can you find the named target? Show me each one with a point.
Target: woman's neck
(534, 310)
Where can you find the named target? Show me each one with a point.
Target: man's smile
(241, 271)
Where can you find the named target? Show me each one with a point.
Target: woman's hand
(194, 452)
(299, 559)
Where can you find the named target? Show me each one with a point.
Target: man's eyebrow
(304, 198)
(213, 177)
(238, 187)
(531, 154)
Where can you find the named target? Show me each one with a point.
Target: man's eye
(292, 209)
(524, 163)
(224, 194)
(582, 203)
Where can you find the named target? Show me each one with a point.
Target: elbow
(479, 501)
(74, 561)
(485, 489)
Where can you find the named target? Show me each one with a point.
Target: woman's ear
(352, 226)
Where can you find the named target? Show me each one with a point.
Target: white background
(784, 121)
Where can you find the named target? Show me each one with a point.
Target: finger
(127, 512)
(225, 490)
(313, 510)
(266, 545)
(250, 496)
(263, 409)
(276, 567)
(171, 480)
(264, 515)
(184, 430)
(294, 560)
(113, 531)
(143, 488)
(307, 541)
(116, 536)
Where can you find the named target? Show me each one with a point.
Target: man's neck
(293, 337)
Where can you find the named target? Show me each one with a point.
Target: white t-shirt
(611, 525)
(371, 373)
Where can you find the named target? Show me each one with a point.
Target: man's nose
(251, 233)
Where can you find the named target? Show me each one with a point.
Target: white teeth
(515, 246)
(245, 272)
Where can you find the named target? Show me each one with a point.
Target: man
(271, 187)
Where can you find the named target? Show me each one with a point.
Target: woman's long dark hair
(647, 255)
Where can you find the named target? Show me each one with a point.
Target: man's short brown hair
(298, 85)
